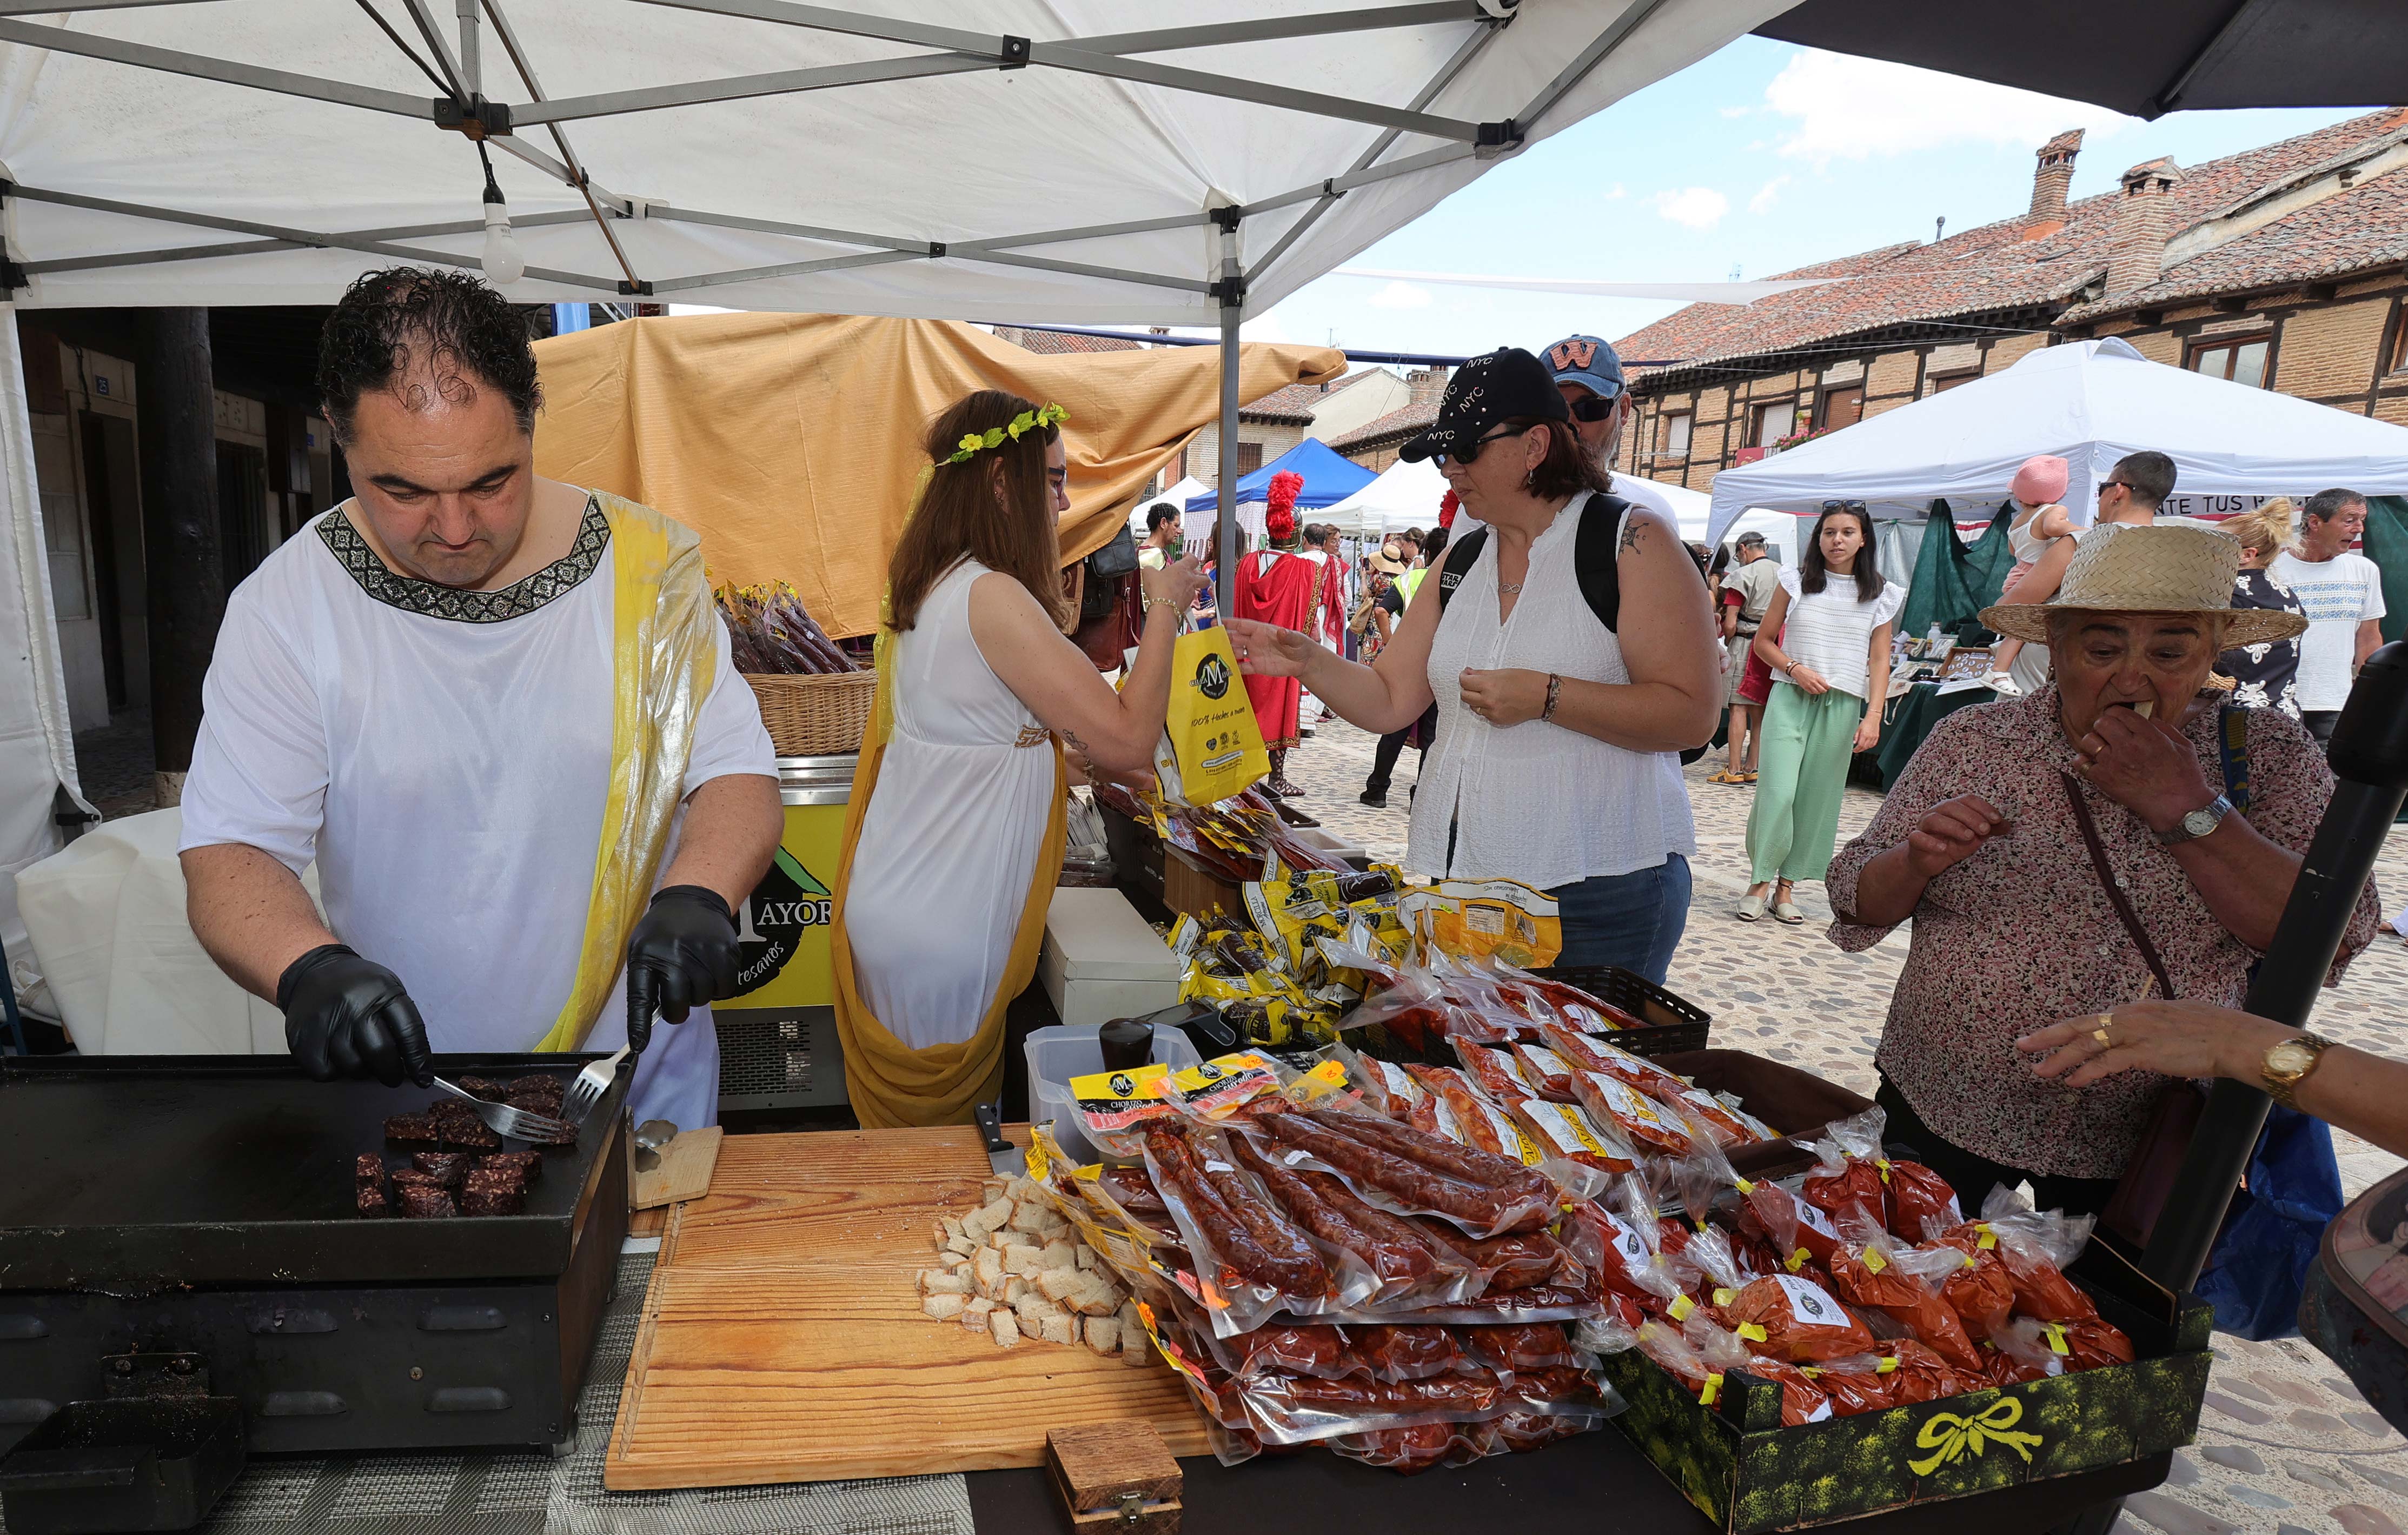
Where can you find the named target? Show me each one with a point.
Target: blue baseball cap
(1586, 361)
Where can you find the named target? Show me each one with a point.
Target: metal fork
(586, 1089)
(502, 1119)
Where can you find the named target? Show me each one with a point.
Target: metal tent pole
(1231, 291)
(2370, 756)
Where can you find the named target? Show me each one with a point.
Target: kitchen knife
(1007, 1160)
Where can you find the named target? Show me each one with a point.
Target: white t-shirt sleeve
(728, 735)
(1887, 605)
(260, 762)
(2373, 574)
(1789, 584)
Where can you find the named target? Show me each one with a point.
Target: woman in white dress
(955, 832)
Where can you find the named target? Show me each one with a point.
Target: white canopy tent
(2091, 402)
(1405, 495)
(1177, 495)
(748, 153)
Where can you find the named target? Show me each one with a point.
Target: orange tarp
(791, 442)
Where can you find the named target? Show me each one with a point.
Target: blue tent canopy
(1329, 479)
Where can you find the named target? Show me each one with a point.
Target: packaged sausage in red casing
(1497, 1072)
(1587, 1052)
(1521, 1432)
(1549, 1072)
(1574, 1008)
(1401, 1258)
(1406, 1171)
(1516, 1262)
(1475, 1120)
(1802, 1322)
(1409, 1452)
(1386, 1087)
(1291, 1409)
(1296, 1349)
(1730, 1127)
(1803, 1401)
(1641, 1120)
(1408, 1352)
(1251, 1260)
(1573, 1149)
(1858, 1383)
(1524, 1347)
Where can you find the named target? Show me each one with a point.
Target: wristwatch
(2288, 1064)
(2196, 823)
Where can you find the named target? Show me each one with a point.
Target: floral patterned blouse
(2021, 935)
(2265, 674)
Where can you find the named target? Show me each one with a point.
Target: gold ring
(2106, 1022)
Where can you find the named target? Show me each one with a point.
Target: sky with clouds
(1759, 159)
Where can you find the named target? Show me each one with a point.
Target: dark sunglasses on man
(1594, 408)
(1479, 444)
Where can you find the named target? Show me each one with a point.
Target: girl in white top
(934, 897)
(1556, 761)
(1827, 638)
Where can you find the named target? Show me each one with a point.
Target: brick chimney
(2145, 213)
(1428, 385)
(2049, 181)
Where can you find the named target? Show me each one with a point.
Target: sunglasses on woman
(1477, 444)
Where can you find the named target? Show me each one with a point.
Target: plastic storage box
(1065, 1051)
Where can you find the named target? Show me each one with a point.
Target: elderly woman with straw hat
(2116, 835)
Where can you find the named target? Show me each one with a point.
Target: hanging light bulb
(503, 261)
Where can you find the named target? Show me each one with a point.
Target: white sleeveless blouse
(1537, 802)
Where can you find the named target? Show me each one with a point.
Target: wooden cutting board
(782, 1338)
(684, 1170)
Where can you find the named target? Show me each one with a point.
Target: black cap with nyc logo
(1495, 386)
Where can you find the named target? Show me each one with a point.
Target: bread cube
(1085, 1258)
(1102, 1334)
(1020, 1258)
(942, 1282)
(945, 1307)
(989, 1269)
(974, 1315)
(1058, 1255)
(1058, 1330)
(1005, 1330)
(1057, 1284)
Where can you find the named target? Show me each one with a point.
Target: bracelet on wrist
(1554, 692)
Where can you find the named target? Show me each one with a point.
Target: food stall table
(1911, 716)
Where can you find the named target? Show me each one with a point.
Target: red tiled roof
(1296, 403)
(1991, 269)
(1380, 429)
(2366, 226)
(1055, 343)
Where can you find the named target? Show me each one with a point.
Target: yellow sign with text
(784, 927)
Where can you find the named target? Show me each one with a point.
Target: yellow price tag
(1745, 1186)
(1680, 1309)
(1750, 1331)
(1888, 1363)
(1798, 1259)
(1987, 1240)
(1713, 1388)
(1724, 1295)
(1874, 1262)
(2055, 1333)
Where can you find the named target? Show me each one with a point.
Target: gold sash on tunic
(663, 655)
(891, 1083)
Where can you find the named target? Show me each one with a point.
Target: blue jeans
(1632, 920)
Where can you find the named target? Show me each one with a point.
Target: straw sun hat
(2150, 569)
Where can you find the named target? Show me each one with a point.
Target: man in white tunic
(497, 712)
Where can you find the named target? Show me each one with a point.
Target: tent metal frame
(468, 109)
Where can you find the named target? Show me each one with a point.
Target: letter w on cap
(1577, 354)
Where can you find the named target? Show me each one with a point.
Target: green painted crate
(1749, 1474)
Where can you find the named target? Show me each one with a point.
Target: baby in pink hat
(2040, 521)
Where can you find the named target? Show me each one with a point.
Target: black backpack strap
(1597, 557)
(1459, 556)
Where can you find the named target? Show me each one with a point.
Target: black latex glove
(345, 1016)
(681, 955)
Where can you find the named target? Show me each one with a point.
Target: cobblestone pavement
(2285, 1443)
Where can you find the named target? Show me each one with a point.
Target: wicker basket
(815, 715)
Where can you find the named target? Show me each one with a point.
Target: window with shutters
(1774, 422)
(1672, 435)
(1250, 457)
(1841, 408)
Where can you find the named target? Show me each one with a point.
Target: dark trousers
(2320, 722)
(1971, 1175)
(1392, 745)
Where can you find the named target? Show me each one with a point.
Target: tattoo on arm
(1630, 529)
(1074, 743)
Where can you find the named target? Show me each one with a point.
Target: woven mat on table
(489, 1494)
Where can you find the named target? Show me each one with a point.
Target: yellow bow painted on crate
(1951, 1436)
(664, 625)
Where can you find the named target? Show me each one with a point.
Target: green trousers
(1801, 774)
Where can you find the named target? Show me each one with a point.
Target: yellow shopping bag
(1210, 747)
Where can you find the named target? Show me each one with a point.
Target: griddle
(187, 1224)
(130, 1174)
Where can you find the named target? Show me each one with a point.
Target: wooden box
(1115, 1476)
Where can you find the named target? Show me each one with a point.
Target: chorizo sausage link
(1408, 1182)
(1468, 1164)
(1260, 1244)
(1395, 1262)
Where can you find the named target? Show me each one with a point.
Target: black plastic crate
(1672, 1022)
